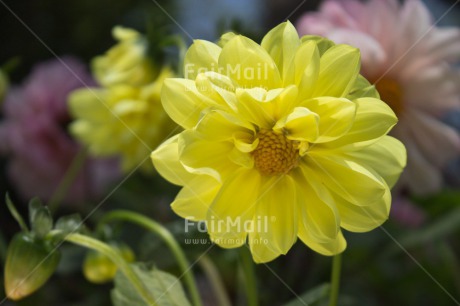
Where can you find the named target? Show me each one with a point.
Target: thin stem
(215, 280)
(249, 277)
(124, 267)
(167, 237)
(66, 182)
(335, 279)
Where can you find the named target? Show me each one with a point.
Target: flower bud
(29, 264)
(99, 269)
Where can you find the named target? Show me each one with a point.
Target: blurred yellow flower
(125, 63)
(282, 140)
(121, 119)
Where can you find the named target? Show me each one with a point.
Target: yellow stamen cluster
(275, 154)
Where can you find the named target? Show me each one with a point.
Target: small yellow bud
(99, 269)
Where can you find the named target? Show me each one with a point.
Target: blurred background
(376, 270)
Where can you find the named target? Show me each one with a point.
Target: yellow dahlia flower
(281, 140)
(121, 120)
(126, 62)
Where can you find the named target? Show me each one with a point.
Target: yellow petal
(323, 43)
(242, 159)
(304, 70)
(225, 38)
(316, 207)
(335, 116)
(133, 153)
(89, 104)
(152, 91)
(194, 199)
(121, 33)
(126, 62)
(219, 125)
(233, 208)
(130, 107)
(245, 142)
(230, 241)
(182, 102)
(329, 248)
(285, 101)
(255, 106)
(276, 206)
(344, 177)
(282, 43)
(204, 156)
(362, 88)
(249, 64)
(339, 68)
(93, 135)
(260, 248)
(364, 218)
(301, 124)
(264, 108)
(202, 56)
(373, 120)
(166, 161)
(217, 87)
(387, 157)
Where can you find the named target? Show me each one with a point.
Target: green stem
(335, 279)
(167, 237)
(215, 280)
(249, 277)
(108, 251)
(66, 182)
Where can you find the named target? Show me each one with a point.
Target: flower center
(391, 93)
(275, 154)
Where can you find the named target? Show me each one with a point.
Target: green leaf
(41, 221)
(69, 224)
(362, 88)
(34, 205)
(313, 295)
(164, 287)
(15, 213)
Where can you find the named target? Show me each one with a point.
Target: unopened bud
(99, 269)
(29, 264)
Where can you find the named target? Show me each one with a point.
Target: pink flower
(409, 61)
(34, 135)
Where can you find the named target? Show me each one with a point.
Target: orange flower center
(275, 154)
(391, 93)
